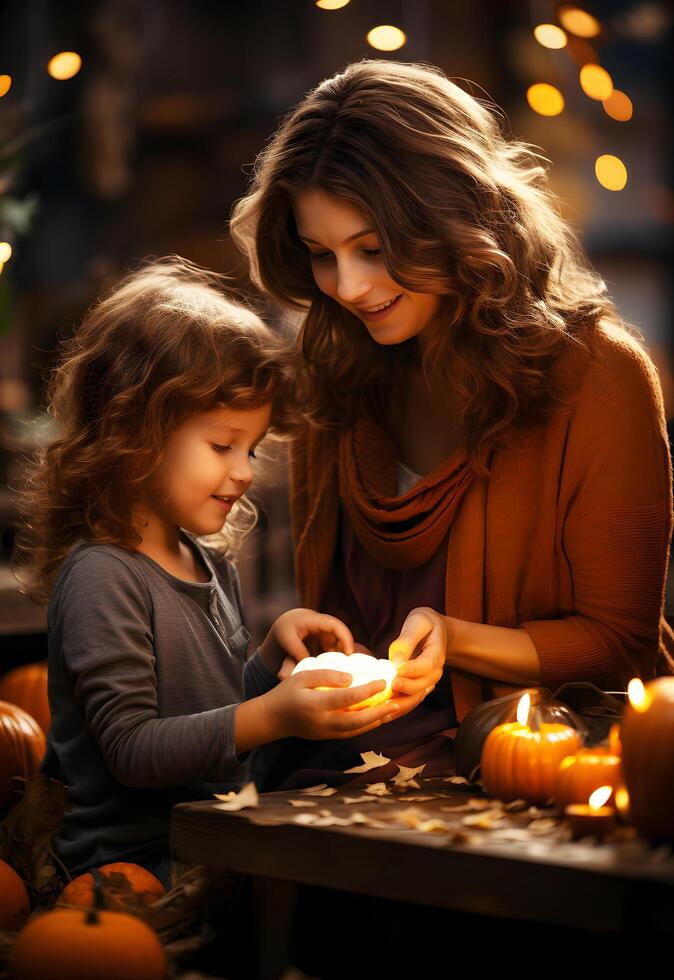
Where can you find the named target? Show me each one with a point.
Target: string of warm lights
(594, 80)
(546, 99)
(383, 37)
(62, 66)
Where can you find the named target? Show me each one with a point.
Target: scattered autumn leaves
(473, 819)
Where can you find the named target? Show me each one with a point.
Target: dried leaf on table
(513, 806)
(302, 803)
(377, 789)
(412, 816)
(368, 821)
(248, 796)
(474, 803)
(321, 789)
(434, 825)
(453, 779)
(485, 820)
(316, 820)
(419, 799)
(405, 776)
(543, 826)
(371, 760)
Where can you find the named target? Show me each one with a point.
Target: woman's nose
(351, 286)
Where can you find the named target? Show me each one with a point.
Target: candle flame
(600, 796)
(636, 692)
(523, 707)
(622, 799)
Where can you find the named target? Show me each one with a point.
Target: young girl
(161, 397)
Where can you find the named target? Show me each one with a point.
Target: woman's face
(348, 266)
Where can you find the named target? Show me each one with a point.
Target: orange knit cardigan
(568, 538)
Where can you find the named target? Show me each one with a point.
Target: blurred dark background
(144, 149)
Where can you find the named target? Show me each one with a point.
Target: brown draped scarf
(398, 532)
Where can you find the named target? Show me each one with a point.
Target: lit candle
(592, 817)
(361, 666)
(647, 734)
(520, 762)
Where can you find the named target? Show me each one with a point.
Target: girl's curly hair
(460, 210)
(166, 343)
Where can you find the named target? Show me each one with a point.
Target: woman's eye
(322, 256)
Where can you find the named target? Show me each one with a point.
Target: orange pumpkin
(22, 748)
(80, 891)
(647, 734)
(14, 900)
(581, 774)
(87, 945)
(27, 687)
(518, 762)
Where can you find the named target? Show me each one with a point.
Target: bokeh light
(618, 106)
(578, 21)
(596, 82)
(545, 99)
(550, 36)
(331, 4)
(611, 172)
(64, 65)
(386, 38)
(5, 252)
(5, 84)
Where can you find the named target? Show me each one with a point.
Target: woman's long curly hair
(165, 344)
(460, 210)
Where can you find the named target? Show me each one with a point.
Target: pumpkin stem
(99, 899)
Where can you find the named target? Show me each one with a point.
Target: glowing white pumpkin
(361, 666)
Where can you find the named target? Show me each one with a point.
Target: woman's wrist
(499, 652)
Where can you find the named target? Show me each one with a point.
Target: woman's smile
(378, 313)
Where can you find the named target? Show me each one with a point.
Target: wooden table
(520, 865)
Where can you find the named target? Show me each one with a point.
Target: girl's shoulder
(101, 564)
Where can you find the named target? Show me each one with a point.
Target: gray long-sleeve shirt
(146, 671)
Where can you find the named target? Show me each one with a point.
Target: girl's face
(207, 456)
(348, 266)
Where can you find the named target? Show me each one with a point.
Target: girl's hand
(283, 645)
(433, 632)
(295, 708)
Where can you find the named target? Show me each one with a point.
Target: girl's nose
(242, 472)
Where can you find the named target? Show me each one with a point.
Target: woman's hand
(295, 708)
(283, 646)
(431, 631)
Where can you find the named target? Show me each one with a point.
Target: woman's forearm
(498, 652)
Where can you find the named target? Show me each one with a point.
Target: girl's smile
(206, 458)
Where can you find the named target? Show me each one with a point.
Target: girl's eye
(321, 256)
(221, 449)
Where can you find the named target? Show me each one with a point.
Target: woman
(485, 480)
